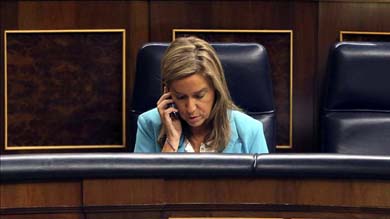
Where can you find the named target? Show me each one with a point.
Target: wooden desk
(195, 197)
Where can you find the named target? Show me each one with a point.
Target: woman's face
(194, 98)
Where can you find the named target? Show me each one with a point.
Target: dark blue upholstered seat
(356, 112)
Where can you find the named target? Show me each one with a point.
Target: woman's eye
(179, 97)
(199, 96)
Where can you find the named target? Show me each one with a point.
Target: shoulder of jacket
(244, 121)
(151, 116)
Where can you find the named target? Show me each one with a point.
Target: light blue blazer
(247, 134)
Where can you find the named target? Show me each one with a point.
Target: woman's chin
(196, 123)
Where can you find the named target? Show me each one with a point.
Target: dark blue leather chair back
(247, 72)
(356, 111)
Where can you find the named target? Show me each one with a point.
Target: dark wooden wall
(316, 25)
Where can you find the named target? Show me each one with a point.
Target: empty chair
(247, 72)
(356, 111)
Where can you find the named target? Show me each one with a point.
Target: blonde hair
(190, 55)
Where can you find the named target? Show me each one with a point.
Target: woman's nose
(191, 105)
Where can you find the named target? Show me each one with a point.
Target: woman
(195, 112)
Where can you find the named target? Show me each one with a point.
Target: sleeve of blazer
(145, 140)
(258, 144)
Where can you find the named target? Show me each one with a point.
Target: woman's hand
(172, 124)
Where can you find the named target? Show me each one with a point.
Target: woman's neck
(198, 136)
(201, 131)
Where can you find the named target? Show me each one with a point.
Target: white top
(203, 149)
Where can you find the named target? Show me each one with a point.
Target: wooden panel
(305, 65)
(166, 16)
(72, 14)
(211, 214)
(126, 215)
(123, 192)
(278, 213)
(138, 35)
(342, 193)
(40, 194)
(244, 197)
(8, 10)
(64, 89)
(224, 218)
(44, 216)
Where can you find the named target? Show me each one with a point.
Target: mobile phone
(174, 115)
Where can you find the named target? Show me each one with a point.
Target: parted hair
(190, 55)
